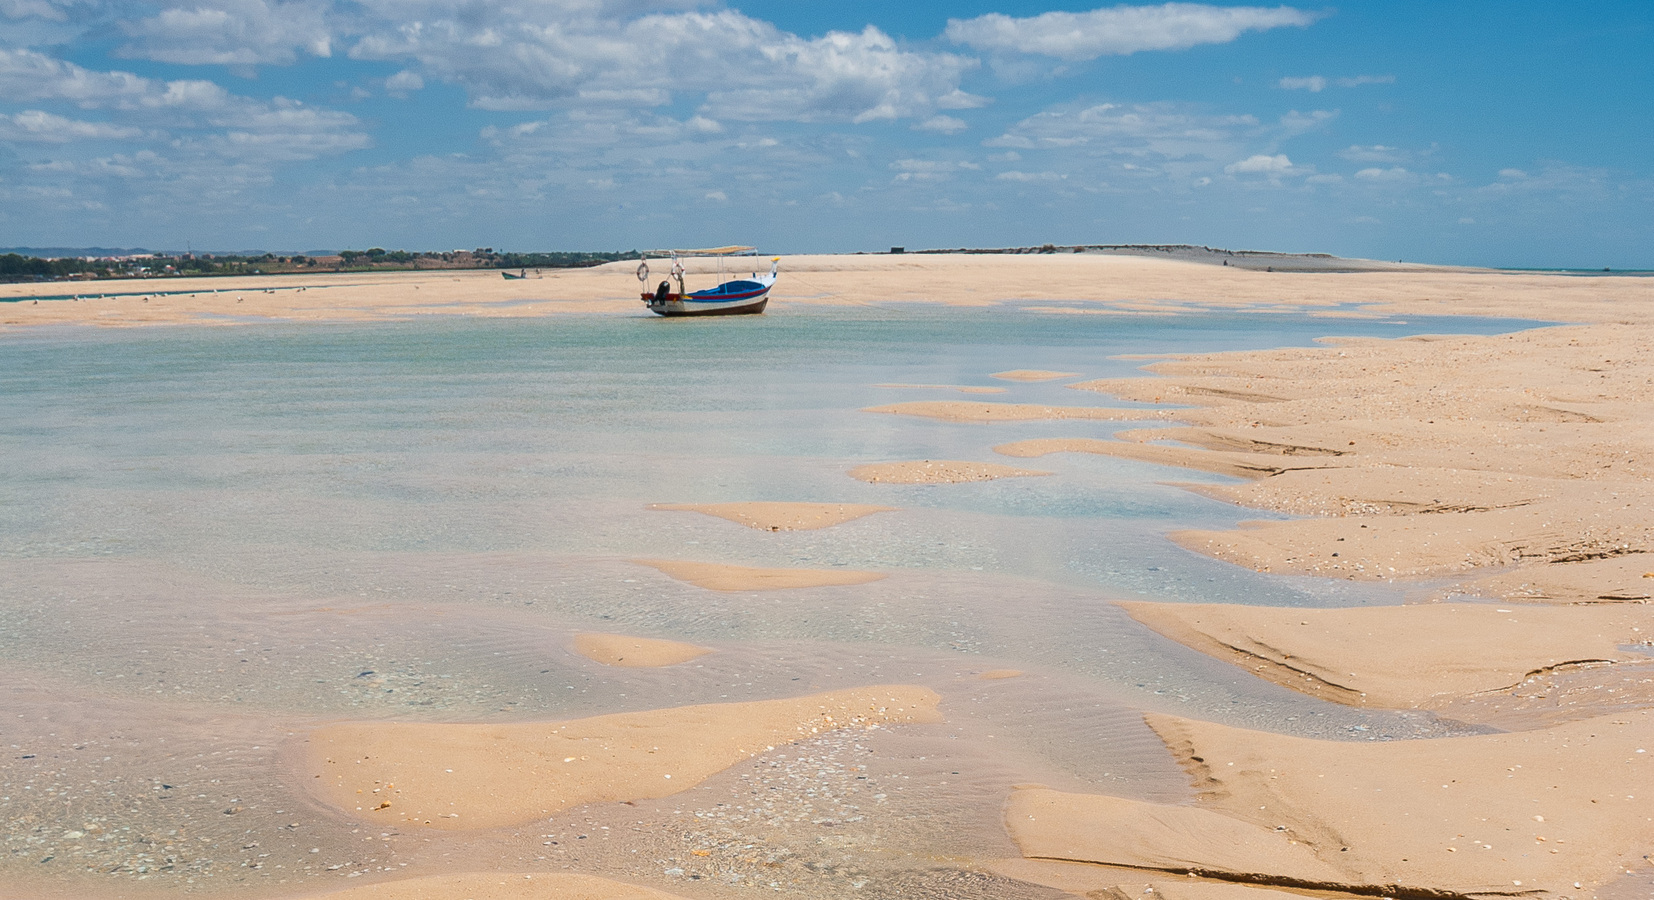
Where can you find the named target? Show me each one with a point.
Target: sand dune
(780, 516)
(465, 776)
(720, 577)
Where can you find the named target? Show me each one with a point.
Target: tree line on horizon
(15, 267)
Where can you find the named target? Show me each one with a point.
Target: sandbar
(1405, 656)
(477, 776)
(635, 652)
(961, 388)
(1526, 813)
(967, 411)
(780, 516)
(722, 577)
(500, 886)
(1032, 375)
(937, 471)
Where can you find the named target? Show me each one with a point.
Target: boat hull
(674, 305)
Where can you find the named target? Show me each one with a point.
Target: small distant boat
(511, 277)
(737, 297)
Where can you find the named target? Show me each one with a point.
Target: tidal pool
(213, 539)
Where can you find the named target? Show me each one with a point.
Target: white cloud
(1260, 164)
(1029, 176)
(192, 116)
(1359, 80)
(1392, 174)
(943, 124)
(1377, 153)
(232, 32)
(514, 56)
(1154, 131)
(1311, 83)
(404, 81)
(1296, 123)
(35, 125)
(929, 169)
(1120, 30)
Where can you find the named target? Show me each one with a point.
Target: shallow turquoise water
(212, 537)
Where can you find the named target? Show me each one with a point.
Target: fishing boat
(734, 297)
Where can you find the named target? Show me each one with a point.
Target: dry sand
(1033, 375)
(937, 471)
(475, 776)
(1091, 282)
(967, 411)
(500, 886)
(1527, 813)
(1419, 457)
(1406, 656)
(721, 577)
(635, 652)
(780, 516)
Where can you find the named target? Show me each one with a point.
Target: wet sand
(780, 516)
(723, 577)
(937, 471)
(965, 411)
(467, 777)
(635, 652)
(1033, 375)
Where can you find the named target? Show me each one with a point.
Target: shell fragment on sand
(475, 776)
(635, 652)
(780, 516)
(937, 471)
(720, 577)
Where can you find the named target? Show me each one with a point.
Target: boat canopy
(711, 251)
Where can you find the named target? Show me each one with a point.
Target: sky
(1506, 133)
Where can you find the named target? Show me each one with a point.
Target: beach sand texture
(967, 411)
(476, 776)
(1526, 813)
(1407, 656)
(635, 652)
(500, 886)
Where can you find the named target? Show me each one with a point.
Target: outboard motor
(661, 292)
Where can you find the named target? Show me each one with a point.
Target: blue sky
(1494, 133)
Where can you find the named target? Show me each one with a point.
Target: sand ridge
(1420, 457)
(1405, 656)
(635, 652)
(1033, 375)
(961, 388)
(477, 776)
(723, 577)
(937, 471)
(780, 515)
(1532, 812)
(982, 412)
(499, 886)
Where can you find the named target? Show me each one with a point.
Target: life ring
(643, 272)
